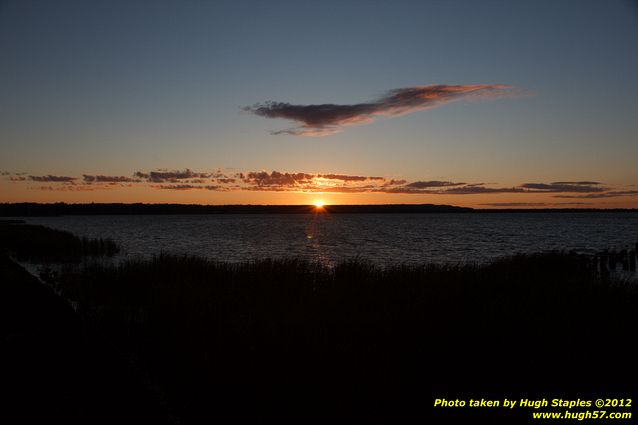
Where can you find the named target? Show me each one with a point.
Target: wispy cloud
(188, 187)
(109, 179)
(475, 190)
(432, 183)
(171, 176)
(585, 187)
(610, 194)
(532, 204)
(322, 182)
(466, 189)
(79, 187)
(585, 183)
(347, 178)
(51, 178)
(327, 119)
(276, 178)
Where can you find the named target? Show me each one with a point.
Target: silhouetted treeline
(291, 341)
(55, 209)
(36, 209)
(556, 210)
(43, 244)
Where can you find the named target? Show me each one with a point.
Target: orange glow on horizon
(14, 192)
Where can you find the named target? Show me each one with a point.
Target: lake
(380, 238)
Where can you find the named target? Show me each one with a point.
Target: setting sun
(319, 204)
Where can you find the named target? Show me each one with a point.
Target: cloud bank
(312, 182)
(52, 179)
(108, 179)
(327, 119)
(585, 187)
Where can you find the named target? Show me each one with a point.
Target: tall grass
(295, 341)
(42, 244)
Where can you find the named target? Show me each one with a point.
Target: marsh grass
(296, 341)
(35, 243)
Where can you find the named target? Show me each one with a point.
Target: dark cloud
(585, 183)
(432, 183)
(279, 181)
(78, 187)
(52, 179)
(188, 187)
(532, 204)
(262, 178)
(393, 182)
(161, 176)
(109, 179)
(218, 175)
(178, 186)
(327, 119)
(564, 187)
(225, 180)
(610, 194)
(458, 190)
(473, 190)
(305, 181)
(348, 178)
(453, 188)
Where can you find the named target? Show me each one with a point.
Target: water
(380, 238)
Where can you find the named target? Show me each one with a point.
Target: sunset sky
(482, 104)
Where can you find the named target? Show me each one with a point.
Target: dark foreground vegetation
(192, 341)
(55, 370)
(296, 342)
(36, 243)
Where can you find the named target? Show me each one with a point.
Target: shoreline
(55, 370)
(29, 209)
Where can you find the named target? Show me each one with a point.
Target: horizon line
(326, 206)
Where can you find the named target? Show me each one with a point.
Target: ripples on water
(380, 238)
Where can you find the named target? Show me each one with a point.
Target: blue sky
(94, 87)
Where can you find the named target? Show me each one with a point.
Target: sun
(319, 204)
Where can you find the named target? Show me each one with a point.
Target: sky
(487, 104)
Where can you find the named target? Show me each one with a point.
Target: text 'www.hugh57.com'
(543, 408)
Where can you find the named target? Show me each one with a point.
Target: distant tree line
(36, 209)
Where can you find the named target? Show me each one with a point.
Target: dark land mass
(57, 371)
(291, 342)
(54, 368)
(56, 209)
(35, 209)
(555, 210)
(35, 243)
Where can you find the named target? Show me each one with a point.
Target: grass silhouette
(296, 341)
(42, 244)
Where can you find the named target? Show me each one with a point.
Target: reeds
(36, 243)
(295, 341)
